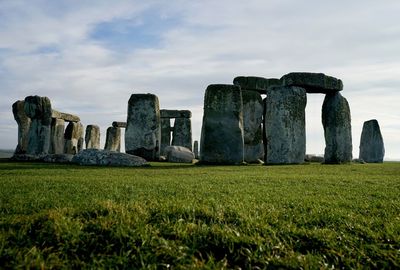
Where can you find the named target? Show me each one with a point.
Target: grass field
(184, 216)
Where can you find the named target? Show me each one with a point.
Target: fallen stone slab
(119, 124)
(26, 157)
(175, 114)
(313, 158)
(65, 116)
(313, 82)
(253, 83)
(96, 157)
(58, 158)
(179, 154)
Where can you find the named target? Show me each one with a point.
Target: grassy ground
(184, 216)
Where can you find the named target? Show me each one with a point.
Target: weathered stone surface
(359, 161)
(313, 82)
(258, 84)
(73, 138)
(182, 134)
(372, 149)
(252, 126)
(165, 134)
(113, 139)
(314, 158)
(38, 109)
(108, 158)
(27, 157)
(285, 125)
(196, 149)
(57, 141)
(336, 120)
(119, 124)
(143, 127)
(58, 158)
(222, 130)
(175, 114)
(65, 116)
(179, 154)
(24, 122)
(92, 137)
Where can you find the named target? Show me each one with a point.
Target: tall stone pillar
(113, 139)
(57, 141)
(336, 120)
(285, 125)
(143, 128)
(196, 149)
(372, 149)
(182, 134)
(222, 129)
(24, 123)
(165, 134)
(92, 137)
(73, 138)
(38, 109)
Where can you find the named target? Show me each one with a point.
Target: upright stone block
(285, 125)
(196, 149)
(143, 128)
(372, 149)
(182, 134)
(336, 120)
(24, 122)
(57, 136)
(73, 138)
(222, 129)
(92, 137)
(165, 134)
(113, 139)
(252, 122)
(38, 109)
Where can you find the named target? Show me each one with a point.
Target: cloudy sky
(88, 57)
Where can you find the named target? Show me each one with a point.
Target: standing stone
(92, 137)
(285, 125)
(222, 129)
(57, 141)
(143, 127)
(24, 123)
(113, 139)
(165, 134)
(196, 149)
(73, 138)
(313, 82)
(38, 109)
(252, 120)
(182, 134)
(372, 149)
(336, 120)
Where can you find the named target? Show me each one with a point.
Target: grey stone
(24, 123)
(314, 158)
(182, 134)
(113, 139)
(222, 130)
(38, 109)
(92, 137)
(313, 82)
(57, 141)
(258, 84)
(65, 116)
(252, 126)
(108, 158)
(119, 124)
(27, 157)
(372, 149)
(196, 149)
(165, 134)
(73, 138)
(359, 161)
(179, 154)
(336, 120)
(143, 127)
(58, 158)
(175, 114)
(285, 125)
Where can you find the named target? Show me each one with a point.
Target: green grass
(184, 216)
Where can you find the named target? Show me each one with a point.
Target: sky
(88, 57)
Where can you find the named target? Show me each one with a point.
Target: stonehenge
(92, 137)
(57, 136)
(222, 130)
(372, 149)
(113, 139)
(24, 123)
(73, 138)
